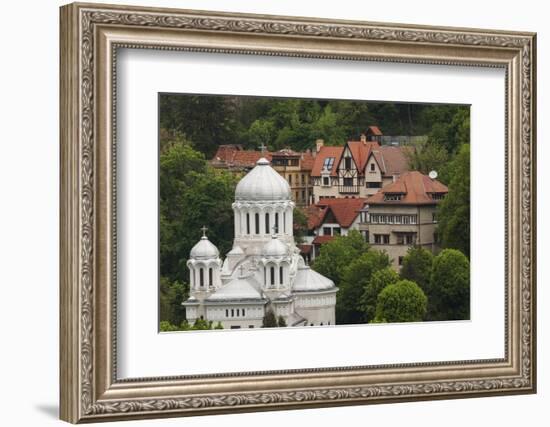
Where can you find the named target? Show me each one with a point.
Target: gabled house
(330, 218)
(357, 169)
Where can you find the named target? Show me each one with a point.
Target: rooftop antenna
(433, 174)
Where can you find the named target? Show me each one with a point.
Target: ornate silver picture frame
(91, 34)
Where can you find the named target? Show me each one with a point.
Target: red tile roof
(286, 152)
(326, 152)
(375, 130)
(305, 249)
(307, 161)
(235, 156)
(415, 187)
(344, 211)
(391, 160)
(361, 152)
(319, 240)
(315, 215)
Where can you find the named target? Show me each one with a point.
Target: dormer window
(327, 163)
(393, 197)
(437, 196)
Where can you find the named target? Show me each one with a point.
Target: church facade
(264, 270)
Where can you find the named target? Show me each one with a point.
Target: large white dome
(262, 183)
(204, 249)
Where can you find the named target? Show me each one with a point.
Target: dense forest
(208, 121)
(193, 194)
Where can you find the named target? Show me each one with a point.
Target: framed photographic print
(265, 212)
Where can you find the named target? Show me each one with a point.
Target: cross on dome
(275, 230)
(204, 229)
(262, 148)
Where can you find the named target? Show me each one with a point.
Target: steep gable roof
(374, 130)
(344, 211)
(415, 187)
(324, 153)
(361, 152)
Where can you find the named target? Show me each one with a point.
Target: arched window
(284, 222)
(272, 271)
(243, 311)
(210, 276)
(247, 223)
(277, 221)
(226, 312)
(257, 222)
(201, 277)
(267, 231)
(281, 275)
(194, 279)
(232, 313)
(265, 276)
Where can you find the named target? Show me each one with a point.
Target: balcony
(348, 189)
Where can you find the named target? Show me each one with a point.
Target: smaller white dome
(275, 248)
(204, 249)
(308, 280)
(236, 289)
(237, 250)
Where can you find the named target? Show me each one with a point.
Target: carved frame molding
(90, 36)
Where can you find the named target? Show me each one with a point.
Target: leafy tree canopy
(453, 212)
(355, 279)
(378, 281)
(337, 254)
(269, 320)
(450, 286)
(417, 267)
(403, 301)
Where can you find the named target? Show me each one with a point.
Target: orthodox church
(264, 270)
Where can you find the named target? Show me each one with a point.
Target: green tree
(191, 195)
(171, 295)
(337, 254)
(449, 291)
(426, 157)
(355, 278)
(281, 323)
(417, 267)
(300, 225)
(202, 325)
(166, 326)
(261, 132)
(453, 212)
(218, 325)
(185, 326)
(449, 126)
(378, 281)
(269, 320)
(403, 301)
(207, 121)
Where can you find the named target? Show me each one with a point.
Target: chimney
(363, 138)
(319, 144)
